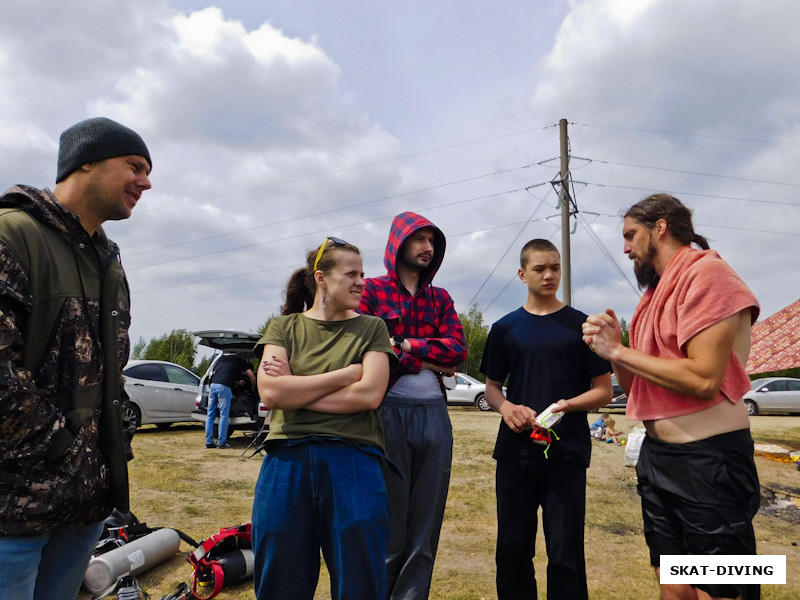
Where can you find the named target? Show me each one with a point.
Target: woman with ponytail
(323, 373)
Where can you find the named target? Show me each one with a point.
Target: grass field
(177, 483)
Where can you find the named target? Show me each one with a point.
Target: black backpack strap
(183, 592)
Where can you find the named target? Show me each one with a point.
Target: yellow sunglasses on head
(335, 240)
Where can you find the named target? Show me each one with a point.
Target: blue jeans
(219, 401)
(47, 566)
(314, 494)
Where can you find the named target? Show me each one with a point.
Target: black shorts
(700, 498)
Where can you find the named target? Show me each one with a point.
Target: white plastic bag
(633, 445)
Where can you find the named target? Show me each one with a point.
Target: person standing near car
(429, 341)
(228, 371)
(539, 348)
(64, 316)
(684, 375)
(323, 373)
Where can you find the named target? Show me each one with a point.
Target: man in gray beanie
(64, 316)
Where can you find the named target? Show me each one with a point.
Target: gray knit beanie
(96, 139)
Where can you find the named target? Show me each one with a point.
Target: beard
(644, 270)
(414, 265)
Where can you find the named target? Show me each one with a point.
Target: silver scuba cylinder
(133, 558)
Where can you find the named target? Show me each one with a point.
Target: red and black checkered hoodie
(428, 319)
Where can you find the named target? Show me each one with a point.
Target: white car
(247, 412)
(468, 392)
(773, 395)
(159, 392)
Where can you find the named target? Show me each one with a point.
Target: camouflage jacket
(64, 316)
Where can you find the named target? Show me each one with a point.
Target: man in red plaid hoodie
(429, 342)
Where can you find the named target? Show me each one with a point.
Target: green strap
(555, 435)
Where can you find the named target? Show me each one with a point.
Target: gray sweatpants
(419, 441)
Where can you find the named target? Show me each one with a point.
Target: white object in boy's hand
(549, 417)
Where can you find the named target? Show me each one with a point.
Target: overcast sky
(272, 124)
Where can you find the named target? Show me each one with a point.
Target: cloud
(696, 65)
(238, 123)
(260, 149)
(216, 82)
(698, 93)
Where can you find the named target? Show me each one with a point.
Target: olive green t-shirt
(317, 347)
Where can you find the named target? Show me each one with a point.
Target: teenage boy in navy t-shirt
(539, 347)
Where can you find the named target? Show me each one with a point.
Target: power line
(541, 163)
(712, 225)
(515, 277)
(500, 293)
(697, 135)
(525, 223)
(329, 211)
(324, 230)
(749, 230)
(439, 186)
(676, 193)
(621, 164)
(510, 245)
(293, 266)
(472, 232)
(598, 242)
(354, 167)
(453, 147)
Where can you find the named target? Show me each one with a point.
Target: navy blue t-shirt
(230, 369)
(545, 360)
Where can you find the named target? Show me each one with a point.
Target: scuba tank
(225, 557)
(227, 567)
(237, 564)
(131, 559)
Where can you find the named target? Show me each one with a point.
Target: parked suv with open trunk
(247, 412)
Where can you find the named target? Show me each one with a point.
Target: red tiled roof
(776, 342)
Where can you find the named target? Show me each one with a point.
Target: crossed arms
(351, 389)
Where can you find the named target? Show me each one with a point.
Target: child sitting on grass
(612, 435)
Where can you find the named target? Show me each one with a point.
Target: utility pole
(563, 195)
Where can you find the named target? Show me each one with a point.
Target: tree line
(180, 347)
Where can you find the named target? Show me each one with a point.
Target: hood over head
(403, 226)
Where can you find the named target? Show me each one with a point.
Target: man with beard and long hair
(685, 378)
(429, 341)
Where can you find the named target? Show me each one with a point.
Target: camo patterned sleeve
(26, 424)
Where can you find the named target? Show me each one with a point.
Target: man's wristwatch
(397, 341)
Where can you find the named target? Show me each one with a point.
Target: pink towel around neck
(697, 290)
